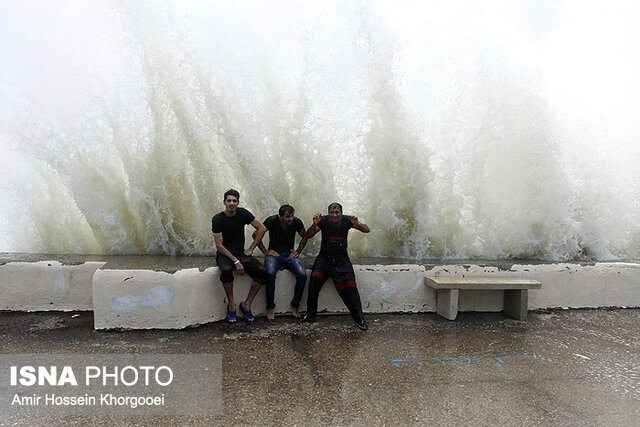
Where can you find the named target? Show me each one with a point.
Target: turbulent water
(454, 129)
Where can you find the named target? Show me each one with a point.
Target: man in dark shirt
(333, 261)
(228, 234)
(282, 233)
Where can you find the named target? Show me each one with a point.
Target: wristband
(237, 262)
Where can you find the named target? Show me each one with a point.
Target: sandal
(231, 316)
(247, 314)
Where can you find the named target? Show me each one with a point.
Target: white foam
(454, 130)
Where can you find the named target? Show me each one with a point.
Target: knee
(271, 265)
(271, 273)
(299, 270)
(262, 274)
(301, 276)
(317, 276)
(315, 283)
(226, 275)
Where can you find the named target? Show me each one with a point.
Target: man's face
(286, 219)
(335, 215)
(231, 204)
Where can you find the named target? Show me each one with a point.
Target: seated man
(333, 261)
(282, 233)
(228, 234)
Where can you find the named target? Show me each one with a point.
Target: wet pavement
(559, 368)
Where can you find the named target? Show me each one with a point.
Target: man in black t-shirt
(228, 234)
(333, 261)
(282, 233)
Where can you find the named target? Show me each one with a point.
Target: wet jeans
(274, 263)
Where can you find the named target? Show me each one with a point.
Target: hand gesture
(354, 220)
(316, 218)
(294, 254)
(271, 252)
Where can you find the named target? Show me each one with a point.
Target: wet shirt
(232, 229)
(281, 240)
(334, 239)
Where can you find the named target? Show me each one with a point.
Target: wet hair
(335, 205)
(231, 192)
(286, 209)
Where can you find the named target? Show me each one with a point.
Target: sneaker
(362, 324)
(309, 317)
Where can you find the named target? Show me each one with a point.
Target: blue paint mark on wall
(156, 297)
(386, 290)
(460, 360)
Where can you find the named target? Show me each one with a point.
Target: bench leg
(447, 303)
(515, 304)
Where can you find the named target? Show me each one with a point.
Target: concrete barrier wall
(146, 299)
(46, 285)
(564, 285)
(142, 299)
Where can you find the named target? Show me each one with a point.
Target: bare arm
(303, 242)
(261, 246)
(360, 226)
(257, 235)
(217, 238)
(313, 230)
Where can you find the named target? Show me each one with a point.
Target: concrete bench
(515, 293)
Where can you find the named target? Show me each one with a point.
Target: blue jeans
(295, 265)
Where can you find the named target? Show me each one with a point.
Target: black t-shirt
(232, 229)
(334, 239)
(281, 240)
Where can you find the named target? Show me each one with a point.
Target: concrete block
(392, 289)
(447, 303)
(46, 286)
(145, 299)
(572, 285)
(515, 304)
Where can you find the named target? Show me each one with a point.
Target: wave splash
(454, 131)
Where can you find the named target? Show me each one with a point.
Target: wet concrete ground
(560, 368)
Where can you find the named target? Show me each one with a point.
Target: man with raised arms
(282, 233)
(333, 261)
(228, 234)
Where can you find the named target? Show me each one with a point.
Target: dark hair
(231, 192)
(286, 209)
(335, 205)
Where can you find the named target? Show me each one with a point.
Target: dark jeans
(295, 265)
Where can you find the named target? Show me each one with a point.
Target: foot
(231, 316)
(361, 323)
(309, 317)
(295, 312)
(271, 315)
(246, 312)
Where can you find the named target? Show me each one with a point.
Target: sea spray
(454, 130)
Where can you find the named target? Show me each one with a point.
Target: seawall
(146, 299)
